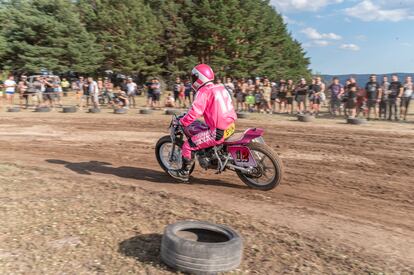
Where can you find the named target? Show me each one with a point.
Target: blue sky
(353, 36)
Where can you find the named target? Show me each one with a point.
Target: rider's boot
(182, 174)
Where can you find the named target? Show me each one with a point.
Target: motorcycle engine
(205, 159)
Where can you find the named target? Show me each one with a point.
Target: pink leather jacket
(214, 103)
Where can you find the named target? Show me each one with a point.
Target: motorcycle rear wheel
(261, 152)
(163, 155)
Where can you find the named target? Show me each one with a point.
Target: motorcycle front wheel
(165, 157)
(268, 172)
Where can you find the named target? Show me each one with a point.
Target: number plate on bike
(242, 156)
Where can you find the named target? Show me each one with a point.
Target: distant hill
(363, 78)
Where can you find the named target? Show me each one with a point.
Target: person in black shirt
(351, 102)
(396, 91)
(373, 90)
(301, 90)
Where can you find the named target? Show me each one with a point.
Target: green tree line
(238, 38)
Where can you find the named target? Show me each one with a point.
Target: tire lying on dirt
(356, 121)
(42, 109)
(69, 109)
(120, 111)
(13, 109)
(146, 111)
(242, 115)
(94, 110)
(201, 247)
(276, 162)
(172, 112)
(305, 118)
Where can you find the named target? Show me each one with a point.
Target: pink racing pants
(202, 140)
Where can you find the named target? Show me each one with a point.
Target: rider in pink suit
(213, 102)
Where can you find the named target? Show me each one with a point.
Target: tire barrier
(242, 115)
(305, 118)
(94, 110)
(145, 111)
(69, 109)
(13, 109)
(120, 111)
(201, 248)
(356, 121)
(42, 109)
(172, 112)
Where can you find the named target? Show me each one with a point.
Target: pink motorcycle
(255, 163)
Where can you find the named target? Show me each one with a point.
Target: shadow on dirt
(89, 167)
(144, 248)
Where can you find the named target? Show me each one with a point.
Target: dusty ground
(83, 194)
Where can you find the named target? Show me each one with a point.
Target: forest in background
(238, 38)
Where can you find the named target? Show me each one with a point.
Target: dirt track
(82, 193)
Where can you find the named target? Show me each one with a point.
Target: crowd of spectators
(383, 99)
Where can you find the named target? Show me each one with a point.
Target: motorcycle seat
(234, 138)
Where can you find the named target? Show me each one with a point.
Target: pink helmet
(201, 75)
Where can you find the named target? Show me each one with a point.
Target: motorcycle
(254, 162)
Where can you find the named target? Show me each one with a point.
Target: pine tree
(128, 31)
(47, 34)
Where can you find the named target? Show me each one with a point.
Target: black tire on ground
(242, 115)
(69, 109)
(171, 112)
(146, 111)
(120, 111)
(94, 110)
(305, 118)
(42, 109)
(13, 109)
(160, 142)
(356, 121)
(277, 164)
(201, 248)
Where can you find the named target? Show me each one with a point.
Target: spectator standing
(351, 98)
(337, 91)
(274, 96)
(57, 89)
(241, 92)
(373, 90)
(65, 86)
(267, 94)
(250, 99)
(396, 91)
(301, 91)
(37, 89)
(406, 97)
(23, 92)
(48, 95)
(177, 87)
(150, 93)
(10, 89)
(290, 90)
(77, 86)
(315, 95)
(282, 96)
(108, 92)
(187, 92)
(156, 88)
(385, 91)
(131, 91)
(230, 86)
(93, 92)
(85, 94)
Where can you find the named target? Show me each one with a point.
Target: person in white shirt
(93, 92)
(10, 89)
(131, 91)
